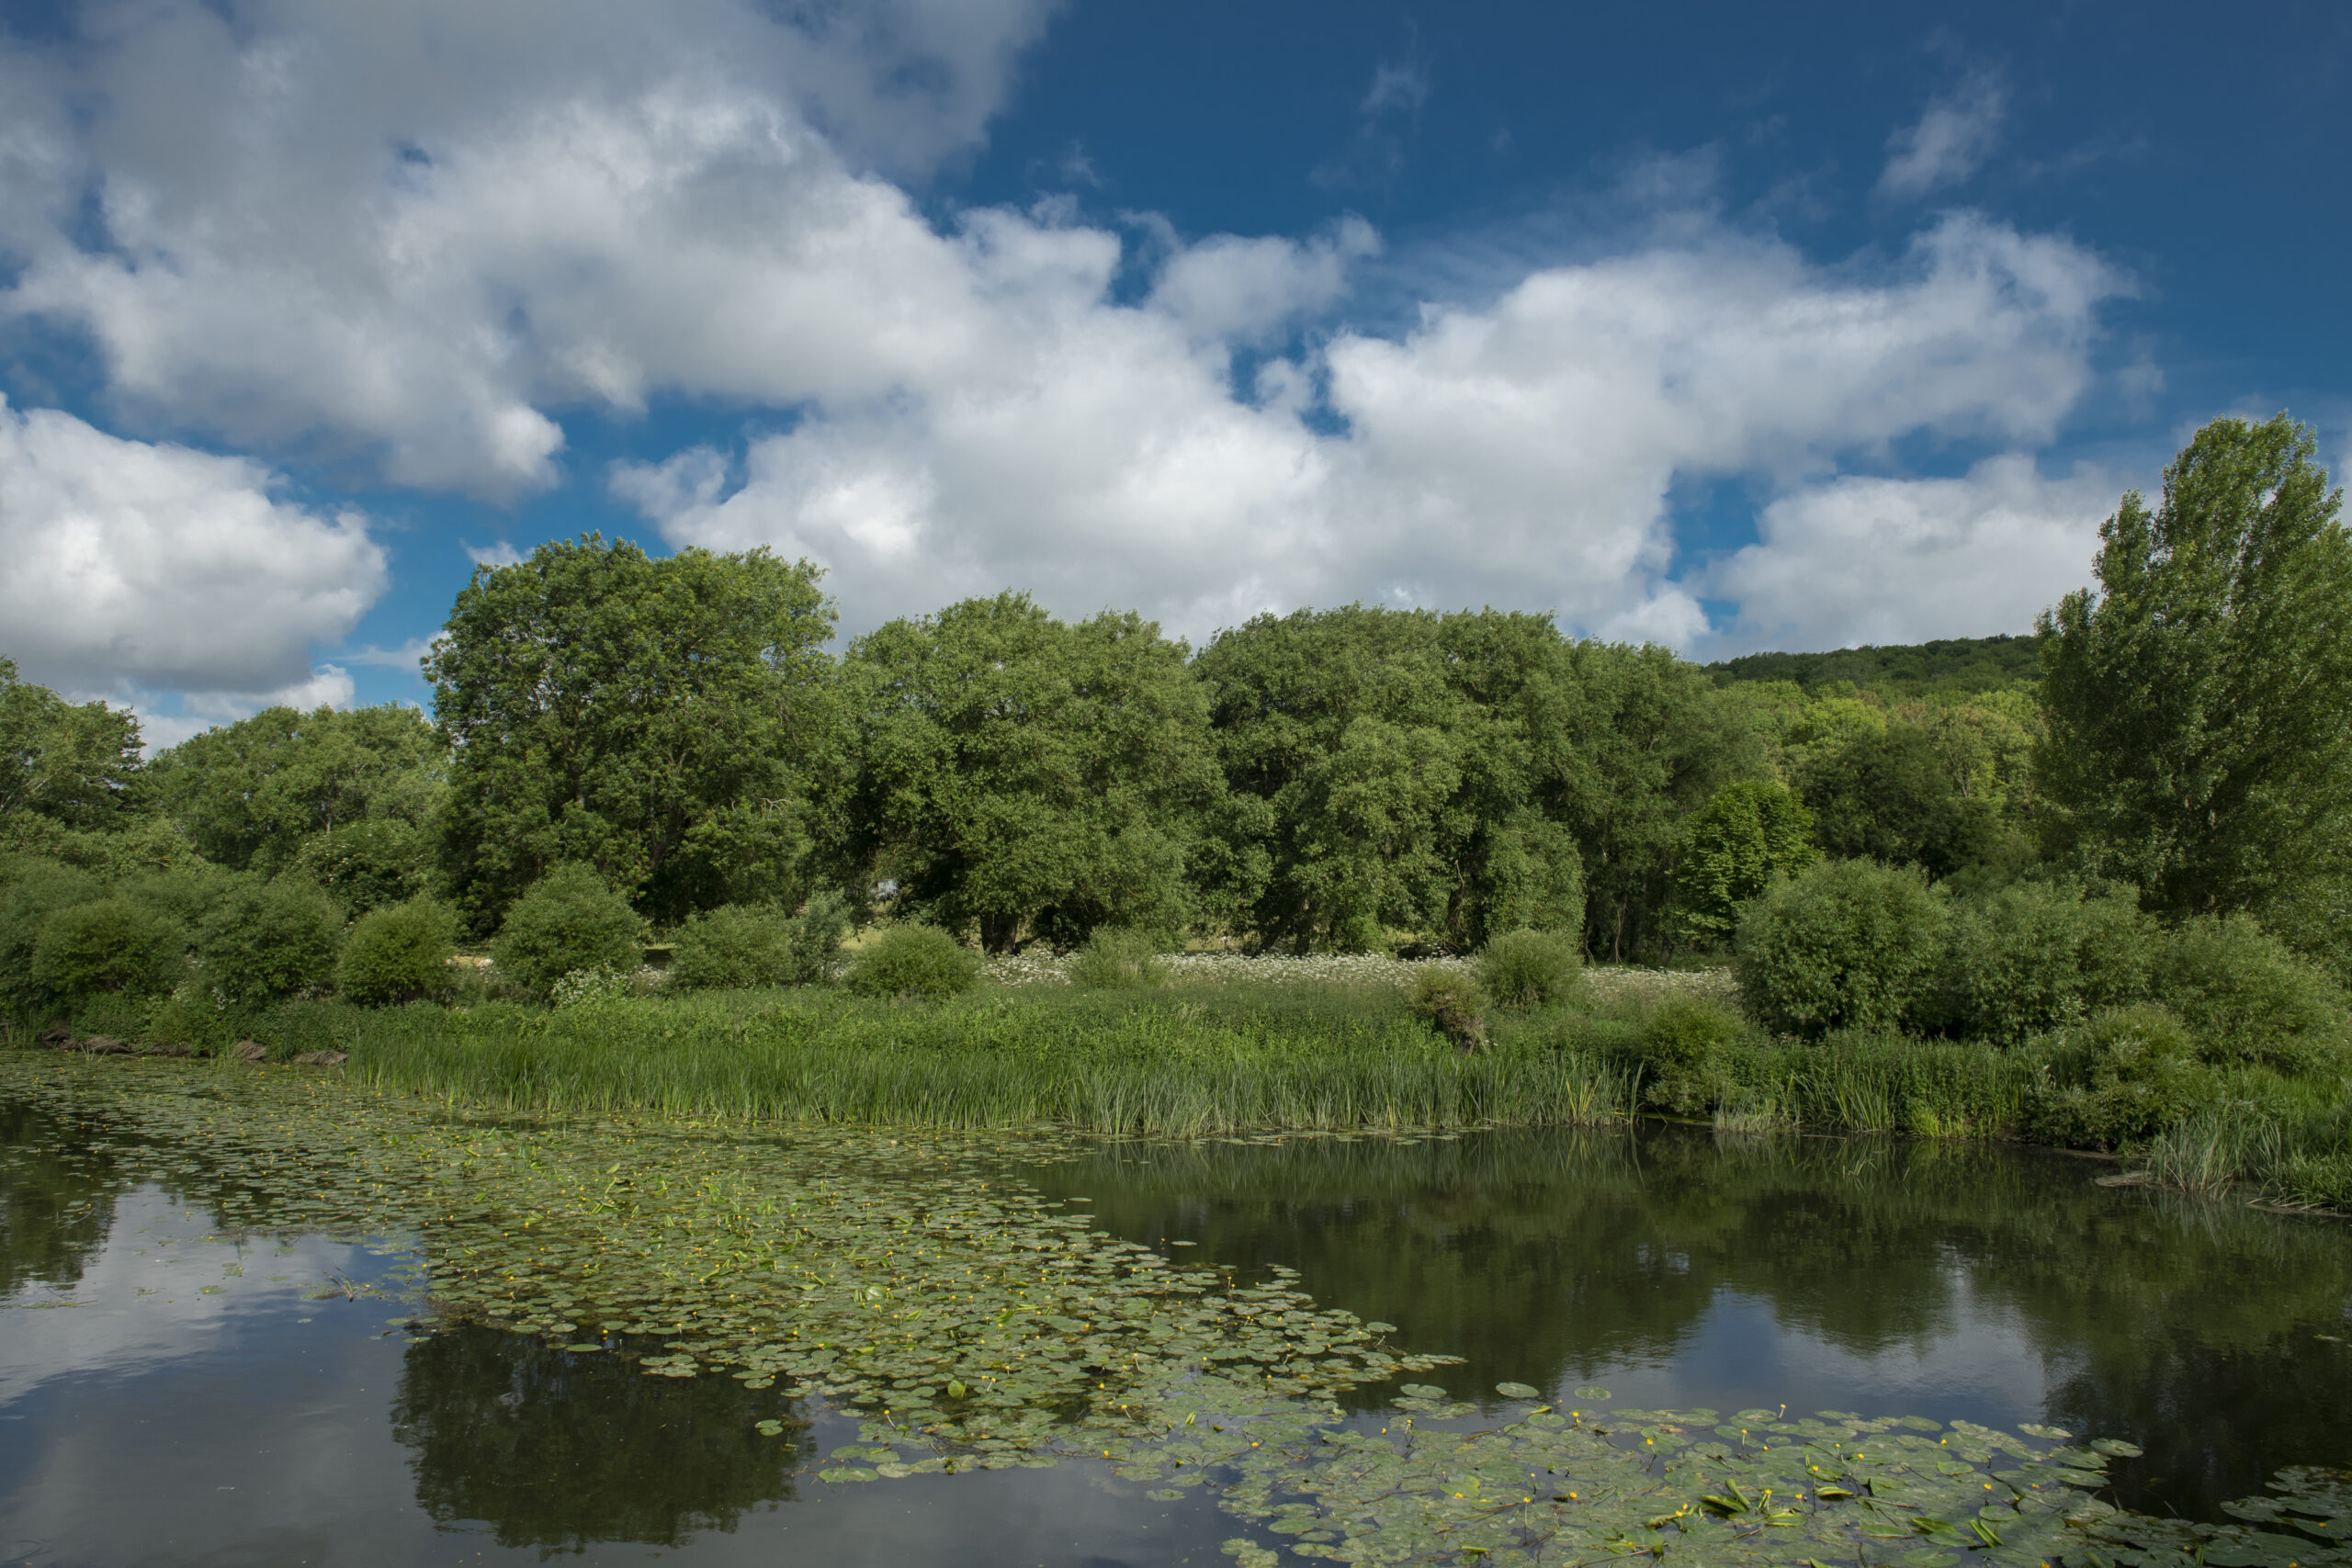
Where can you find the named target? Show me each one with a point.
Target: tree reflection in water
(559, 1450)
(56, 1202)
(2193, 1327)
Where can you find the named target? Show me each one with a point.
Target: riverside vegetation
(2106, 906)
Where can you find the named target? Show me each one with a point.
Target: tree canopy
(2199, 701)
(1030, 776)
(667, 722)
(248, 795)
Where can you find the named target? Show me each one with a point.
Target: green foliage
(1454, 775)
(919, 962)
(1531, 968)
(265, 941)
(2246, 996)
(249, 794)
(1114, 959)
(2200, 741)
(112, 945)
(1967, 664)
(70, 766)
(1030, 776)
(1454, 1003)
(2124, 1075)
(1685, 1048)
(667, 722)
(2037, 956)
(368, 864)
(569, 921)
(399, 952)
(1732, 848)
(1892, 797)
(739, 945)
(32, 890)
(1842, 944)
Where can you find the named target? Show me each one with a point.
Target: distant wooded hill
(1977, 663)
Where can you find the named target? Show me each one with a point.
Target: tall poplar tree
(2200, 702)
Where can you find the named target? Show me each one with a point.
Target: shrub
(399, 953)
(1845, 943)
(1685, 1050)
(269, 940)
(2245, 995)
(1531, 968)
(2122, 1076)
(1114, 959)
(369, 864)
(1452, 1000)
(739, 945)
(914, 961)
(107, 945)
(2034, 957)
(32, 890)
(569, 921)
(733, 947)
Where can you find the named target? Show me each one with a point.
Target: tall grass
(1161, 1063)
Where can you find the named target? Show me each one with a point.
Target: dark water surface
(170, 1395)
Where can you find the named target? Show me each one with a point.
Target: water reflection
(1947, 1280)
(56, 1202)
(556, 1450)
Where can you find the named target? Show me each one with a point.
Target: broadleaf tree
(2199, 701)
(668, 722)
(1028, 777)
(249, 794)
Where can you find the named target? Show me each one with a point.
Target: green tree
(1892, 797)
(1030, 776)
(665, 721)
(249, 794)
(1747, 834)
(2200, 738)
(1392, 769)
(1655, 740)
(64, 766)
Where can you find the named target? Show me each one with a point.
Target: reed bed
(1160, 1063)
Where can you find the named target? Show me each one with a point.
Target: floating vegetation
(968, 1323)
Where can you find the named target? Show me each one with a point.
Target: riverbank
(1246, 1045)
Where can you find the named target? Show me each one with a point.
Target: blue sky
(1724, 326)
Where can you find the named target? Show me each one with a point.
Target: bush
(399, 953)
(369, 864)
(1113, 959)
(1844, 943)
(2122, 1076)
(107, 945)
(32, 890)
(1529, 968)
(2034, 957)
(914, 961)
(569, 921)
(2245, 995)
(1685, 1051)
(1454, 1001)
(741, 945)
(269, 940)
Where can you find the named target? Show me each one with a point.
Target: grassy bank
(1220, 1052)
(1180, 1063)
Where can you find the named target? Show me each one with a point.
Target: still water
(173, 1393)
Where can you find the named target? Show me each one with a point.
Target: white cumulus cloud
(1519, 453)
(1861, 560)
(127, 565)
